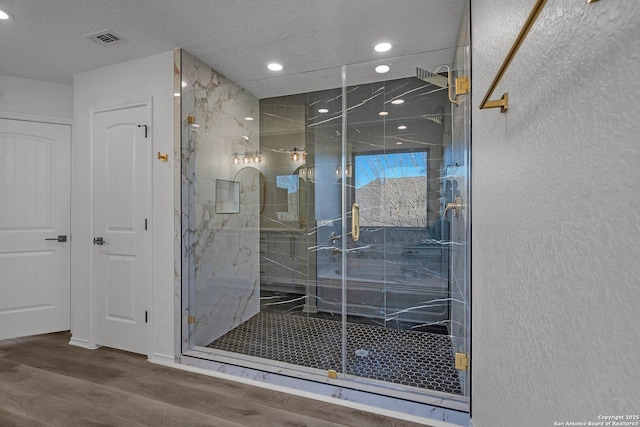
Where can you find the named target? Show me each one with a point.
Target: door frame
(7, 115)
(93, 312)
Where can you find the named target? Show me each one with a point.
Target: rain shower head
(461, 86)
(433, 78)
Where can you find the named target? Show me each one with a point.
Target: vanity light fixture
(246, 158)
(381, 69)
(382, 47)
(296, 154)
(349, 170)
(235, 159)
(274, 66)
(257, 157)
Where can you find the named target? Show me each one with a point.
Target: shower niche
(343, 261)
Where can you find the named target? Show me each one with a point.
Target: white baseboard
(82, 344)
(163, 359)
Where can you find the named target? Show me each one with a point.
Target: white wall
(110, 86)
(33, 99)
(556, 214)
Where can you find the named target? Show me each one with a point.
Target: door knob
(60, 239)
(98, 241)
(456, 205)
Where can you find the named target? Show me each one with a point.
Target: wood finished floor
(46, 382)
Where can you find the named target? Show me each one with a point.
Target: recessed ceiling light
(4, 16)
(382, 69)
(323, 110)
(402, 127)
(249, 118)
(274, 66)
(383, 113)
(382, 47)
(397, 101)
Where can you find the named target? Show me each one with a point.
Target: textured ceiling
(238, 38)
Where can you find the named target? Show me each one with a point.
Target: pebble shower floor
(416, 359)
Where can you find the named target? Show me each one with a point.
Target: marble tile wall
(220, 250)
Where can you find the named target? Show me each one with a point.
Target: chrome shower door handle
(355, 222)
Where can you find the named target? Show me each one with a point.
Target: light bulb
(382, 47)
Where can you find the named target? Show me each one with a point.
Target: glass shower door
(405, 275)
(322, 237)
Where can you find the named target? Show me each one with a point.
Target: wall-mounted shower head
(433, 78)
(443, 82)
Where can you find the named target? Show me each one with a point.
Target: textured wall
(556, 215)
(35, 99)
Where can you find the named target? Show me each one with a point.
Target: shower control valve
(456, 206)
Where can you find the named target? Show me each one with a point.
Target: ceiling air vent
(105, 38)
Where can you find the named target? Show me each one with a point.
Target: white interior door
(34, 228)
(122, 150)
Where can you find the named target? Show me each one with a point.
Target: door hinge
(146, 317)
(146, 130)
(462, 361)
(191, 320)
(145, 223)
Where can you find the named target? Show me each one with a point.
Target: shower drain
(362, 352)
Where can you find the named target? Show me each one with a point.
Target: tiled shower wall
(220, 250)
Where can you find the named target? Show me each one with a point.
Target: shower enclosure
(325, 224)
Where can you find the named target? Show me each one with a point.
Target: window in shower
(391, 189)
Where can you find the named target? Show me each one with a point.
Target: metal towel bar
(503, 102)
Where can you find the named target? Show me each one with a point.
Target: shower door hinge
(462, 85)
(191, 320)
(462, 361)
(146, 317)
